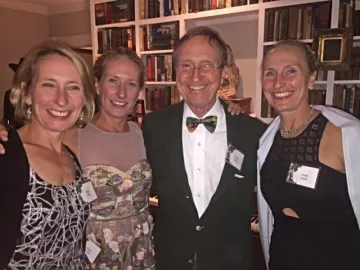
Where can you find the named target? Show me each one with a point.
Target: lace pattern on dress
(52, 229)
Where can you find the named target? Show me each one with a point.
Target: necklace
(288, 133)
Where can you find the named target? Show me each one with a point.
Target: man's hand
(3, 137)
(233, 109)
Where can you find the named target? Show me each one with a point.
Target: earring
(82, 116)
(28, 113)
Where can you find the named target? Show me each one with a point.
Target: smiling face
(286, 78)
(199, 87)
(119, 87)
(57, 94)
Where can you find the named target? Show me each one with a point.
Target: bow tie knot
(209, 123)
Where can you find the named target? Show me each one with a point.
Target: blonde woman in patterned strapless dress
(113, 157)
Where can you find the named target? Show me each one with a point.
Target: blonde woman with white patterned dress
(43, 214)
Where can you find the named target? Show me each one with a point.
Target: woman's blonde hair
(26, 72)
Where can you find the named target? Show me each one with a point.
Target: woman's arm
(331, 148)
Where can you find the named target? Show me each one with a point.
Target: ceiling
(53, 3)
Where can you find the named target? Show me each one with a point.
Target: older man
(204, 165)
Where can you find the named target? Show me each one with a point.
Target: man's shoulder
(162, 115)
(250, 124)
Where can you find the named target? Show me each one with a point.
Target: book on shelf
(353, 73)
(347, 98)
(159, 68)
(317, 96)
(349, 15)
(112, 38)
(160, 97)
(296, 22)
(159, 36)
(321, 75)
(114, 12)
(162, 8)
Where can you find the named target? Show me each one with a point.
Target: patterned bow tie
(209, 122)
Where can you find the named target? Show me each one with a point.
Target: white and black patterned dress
(52, 228)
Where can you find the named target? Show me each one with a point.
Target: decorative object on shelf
(139, 107)
(333, 48)
(228, 87)
(243, 102)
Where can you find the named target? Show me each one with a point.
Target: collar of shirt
(217, 110)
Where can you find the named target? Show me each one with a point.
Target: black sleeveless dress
(326, 236)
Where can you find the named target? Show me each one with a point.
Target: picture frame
(333, 48)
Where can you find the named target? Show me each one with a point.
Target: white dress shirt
(204, 156)
(350, 127)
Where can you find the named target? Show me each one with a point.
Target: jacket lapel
(228, 173)
(175, 150)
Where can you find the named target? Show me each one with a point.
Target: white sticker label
(302, 175)
(91, 250)
(234, 157)
(88, 193)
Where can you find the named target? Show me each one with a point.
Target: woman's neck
(294, 119)
(110, 124)
(34, 133)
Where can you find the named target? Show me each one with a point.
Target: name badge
(91, 250)
(234, 157)
(302, 175)
(87, 192)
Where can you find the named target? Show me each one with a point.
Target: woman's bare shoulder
(71, 139)
(331, 147)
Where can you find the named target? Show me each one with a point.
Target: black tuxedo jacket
(221, 238)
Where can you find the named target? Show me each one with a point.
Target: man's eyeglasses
(205, 68)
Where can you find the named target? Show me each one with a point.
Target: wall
(19, 30)
(70, 24)
(76, 31)
(242, 37)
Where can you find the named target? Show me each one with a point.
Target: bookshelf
(221, 20)
(342, 13)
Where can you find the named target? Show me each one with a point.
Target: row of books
(159, 36)
(161, 8)
(347, 97)
(353, 73)
(349, 15)
(114, 11)
(321, 75)
(161, 97)
(112, 38)
(155, 99)
(296, 22)
(159, 68)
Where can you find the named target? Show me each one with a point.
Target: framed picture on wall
(333, 48)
